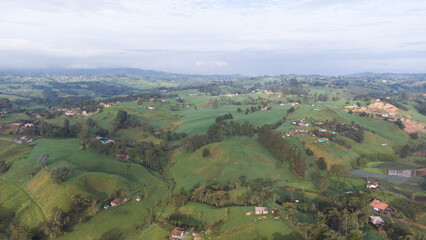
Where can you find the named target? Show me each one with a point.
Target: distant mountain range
(135, 72)
(117, 72)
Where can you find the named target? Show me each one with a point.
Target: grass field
(331, 152)
(228, 159)
(94, 175)
(198, 121)
(14, 199)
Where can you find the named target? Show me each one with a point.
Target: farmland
(200, 153)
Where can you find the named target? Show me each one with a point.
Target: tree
(19, 232)
(290, 110)
(5, 103)
(59, 174)
(3, 166)
(400, 124)
(120, 119)
(57, 224)
(355, 235)
(206, 152)
(290, 210)
(322, 164)
(42, 160)
(405, 151)
(323, 183)
(404, 96)
(337, 169)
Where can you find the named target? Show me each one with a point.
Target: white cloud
(121, 28)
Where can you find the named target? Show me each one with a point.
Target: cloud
(124, 31)
(211, 64)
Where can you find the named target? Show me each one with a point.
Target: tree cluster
(282, 150)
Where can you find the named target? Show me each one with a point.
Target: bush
(59, 174)
(206, 152)
(322, 164)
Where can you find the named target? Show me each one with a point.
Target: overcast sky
(216, 36)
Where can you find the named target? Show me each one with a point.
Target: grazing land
(133, 154)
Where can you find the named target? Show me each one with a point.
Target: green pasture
(227, 160)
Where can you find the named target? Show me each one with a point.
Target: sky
(248, 37)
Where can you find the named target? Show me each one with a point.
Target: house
(260, 210)
(384, 144)
(380, 207)
(139, 198)
(22, 140)
(178, 233)
(16, 124)
(377, 221)
(122, 156)
(118, 201)
(28, 125)
(69, 113)
(373, 184)
(401, 173)
(151, 108)
(37, 115)
(322, 139)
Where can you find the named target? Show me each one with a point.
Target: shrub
(59, 174)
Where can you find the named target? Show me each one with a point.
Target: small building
(138, 198)
(122, 156)
(322, 139)
(28, 125)
(377, 221)
(384, 144)
(401, 173)
(118, 201)
(260, 210)
(380, 207)
(373, 184)
(178, 233)
(22, 140)
(69, 113)
(151, 108)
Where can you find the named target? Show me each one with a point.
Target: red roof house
(377, 205)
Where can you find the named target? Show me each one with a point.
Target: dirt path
(417, 225)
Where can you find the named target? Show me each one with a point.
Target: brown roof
(119, 200)
(177, 231)
(380, 205)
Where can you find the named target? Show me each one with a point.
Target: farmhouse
(22, 140)
(260, 210)
(118, 201)
(122, 156)
(373, 184)
(380, 207)
(377, 221)
(401, 173)
(69, 113)
(178, 233)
